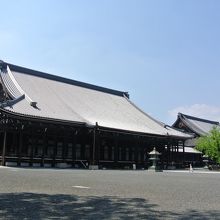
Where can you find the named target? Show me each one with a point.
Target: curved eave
(176, 122)
(44, 119)
(53, 120)
(190, 135)
(144, 134)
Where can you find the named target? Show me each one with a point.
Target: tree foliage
(210, 144)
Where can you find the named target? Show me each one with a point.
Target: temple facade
(51, 121)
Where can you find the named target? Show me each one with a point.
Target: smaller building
(198, 127)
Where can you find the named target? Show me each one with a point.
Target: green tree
(210, 144)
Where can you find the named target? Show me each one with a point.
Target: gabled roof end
(198, 119)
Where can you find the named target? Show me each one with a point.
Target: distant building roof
(38, 94)
(199, 126)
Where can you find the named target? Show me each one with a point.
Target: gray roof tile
(67, 100)
(198, 125)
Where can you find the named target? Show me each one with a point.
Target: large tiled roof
(43, 95)
(198, 125)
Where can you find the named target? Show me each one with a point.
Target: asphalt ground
(31, 193)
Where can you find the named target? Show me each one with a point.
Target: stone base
(205, 168)
(47, 165)
(11, 164)
(36, 165)
(155, 169)
(76, 165)
(171, 167)
(134, 166)
(93, 167)
(25, 164)
(62, 165)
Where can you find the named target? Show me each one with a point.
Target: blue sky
(166, 54)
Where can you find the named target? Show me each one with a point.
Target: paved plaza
(27, 193)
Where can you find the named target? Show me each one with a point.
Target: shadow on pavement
(44, 206)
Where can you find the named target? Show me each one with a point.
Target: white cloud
(198, 110)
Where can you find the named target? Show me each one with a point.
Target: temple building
(51, 121)
(198, 127)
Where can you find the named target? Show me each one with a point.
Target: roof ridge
(64, 80)
(199, 119)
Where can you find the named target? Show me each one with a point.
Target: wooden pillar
(44, 146)
(83, 144)
(162, 157)
(64, 149)
(20, 147)
(136, 149)
(33, 143)
(109, 148)
(169, 154)
(130, 146)
(54, 151)
(15, 144)
(94, 146)
(145, 144)
(1, 143)
(116, 150)
(143, 153)
(183, 153)
(4, 148)
(74, 142)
